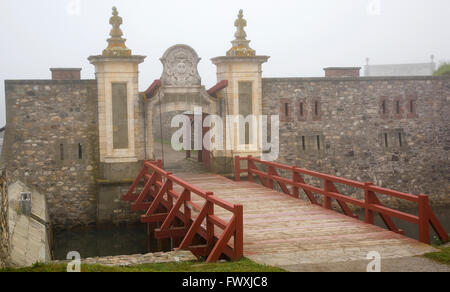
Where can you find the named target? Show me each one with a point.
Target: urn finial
(116, 44)
(241, 44)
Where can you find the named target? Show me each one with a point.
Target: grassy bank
(244, 265)
(442, 256)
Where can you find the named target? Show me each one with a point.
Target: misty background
(302, 37)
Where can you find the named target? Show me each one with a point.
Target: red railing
(371, 203)
(159, 194)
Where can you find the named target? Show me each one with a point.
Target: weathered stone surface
(4, 222)
(52, 144)
(180, 67)
(2, 133)
(351, 129)
(30, 241)
(133, 260)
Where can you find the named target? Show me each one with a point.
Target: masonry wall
(347, 130)
(4, 222)
(51, 143)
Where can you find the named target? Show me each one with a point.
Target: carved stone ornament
(116, 44)
(241, 46)
(180, 67)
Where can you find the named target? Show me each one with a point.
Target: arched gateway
(133, 125)
(179, 91)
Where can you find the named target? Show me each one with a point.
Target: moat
(104, 241)
(132, 239)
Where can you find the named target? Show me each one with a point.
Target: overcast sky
(301, 36)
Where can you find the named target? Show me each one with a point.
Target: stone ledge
(115, 182)
(139, 259)
(374, 78)
(49, 81)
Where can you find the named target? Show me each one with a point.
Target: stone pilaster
(242, 68)
(118, 67)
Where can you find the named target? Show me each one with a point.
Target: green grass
(442, 256)
(244, 265)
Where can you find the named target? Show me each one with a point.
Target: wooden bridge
(216, 217)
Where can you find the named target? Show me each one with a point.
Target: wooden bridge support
(180, 219)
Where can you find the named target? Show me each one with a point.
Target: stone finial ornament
(241, 46)
(116, 44)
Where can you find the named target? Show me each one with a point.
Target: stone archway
(180, 92)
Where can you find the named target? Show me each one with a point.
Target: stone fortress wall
(358, 132)
(393, 131)
(51, 144)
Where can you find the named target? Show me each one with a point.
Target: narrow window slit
(318, 142)
(386, 140)
(303, 143)
(80, 151)
(61, 151)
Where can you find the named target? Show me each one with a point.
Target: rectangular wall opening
(80, 151)
(61, 152)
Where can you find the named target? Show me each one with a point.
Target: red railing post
(270, 172)
(367, 201)
(187, 211)
(237, 168)
(249, 168)
(239, 233)
(326, 198)
(209, 224)
(424, 219)
(295, 189)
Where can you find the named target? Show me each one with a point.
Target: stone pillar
(243, 96)
(121, 116)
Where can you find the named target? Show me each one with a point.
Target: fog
(302, 37)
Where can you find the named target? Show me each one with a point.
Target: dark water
(132, 239)
(412, 230)
(104, 241)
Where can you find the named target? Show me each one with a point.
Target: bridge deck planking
(281, 230)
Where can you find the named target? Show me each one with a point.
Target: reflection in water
(412, 230)
(101, 241)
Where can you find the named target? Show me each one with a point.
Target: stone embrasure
(139, 259)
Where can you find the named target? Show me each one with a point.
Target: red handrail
(371, 203)
(158, 193)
